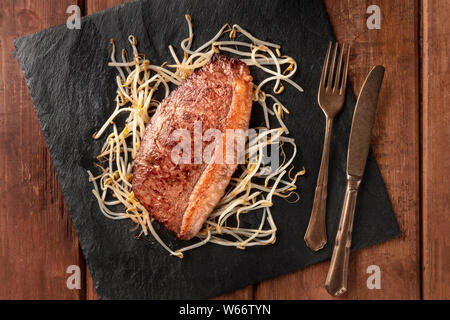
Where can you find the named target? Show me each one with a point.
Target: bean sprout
(253, 185)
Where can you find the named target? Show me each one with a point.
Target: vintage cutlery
(331, 99)
(358, 149)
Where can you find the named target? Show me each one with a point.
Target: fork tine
(325, 67)
(344, 76)
(332, 65)
(338, 69)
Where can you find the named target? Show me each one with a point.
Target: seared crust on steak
(180, 195)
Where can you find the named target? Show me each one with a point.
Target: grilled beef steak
(178, 194)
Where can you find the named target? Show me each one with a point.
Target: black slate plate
(73, 90)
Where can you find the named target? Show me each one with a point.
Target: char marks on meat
(181, 196)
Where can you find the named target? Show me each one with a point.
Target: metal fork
(331, 99)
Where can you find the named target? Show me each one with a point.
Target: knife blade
(358, 149)
(362, 123)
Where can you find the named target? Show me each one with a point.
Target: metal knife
(358, 149)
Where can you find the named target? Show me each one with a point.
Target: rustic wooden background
(411, 136)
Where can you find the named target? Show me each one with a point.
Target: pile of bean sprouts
(253, 185)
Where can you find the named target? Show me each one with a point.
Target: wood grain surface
(436, 158)
(37, 241)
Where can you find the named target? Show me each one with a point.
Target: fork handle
(316, 233)
(336, 282)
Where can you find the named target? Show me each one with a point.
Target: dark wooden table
(410, 140)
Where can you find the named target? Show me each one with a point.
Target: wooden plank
(91, 293)
(37, 241)
(396, 145)
(435, 155)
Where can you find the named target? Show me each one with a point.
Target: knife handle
(316, 233)
(336, 282)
